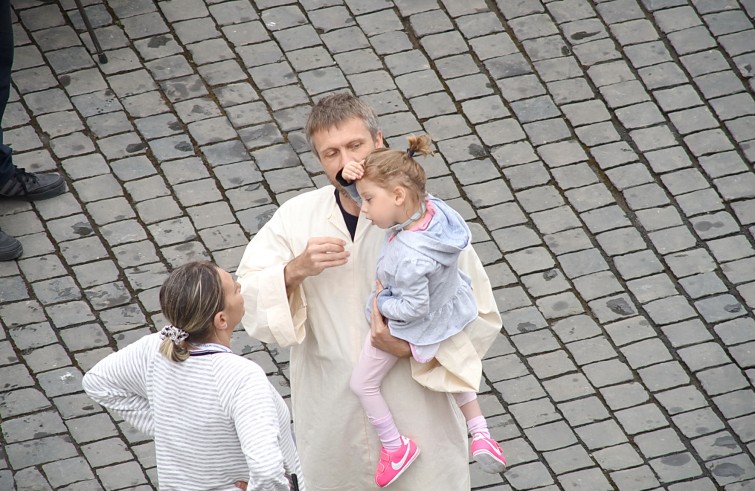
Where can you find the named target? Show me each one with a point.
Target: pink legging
(372, 367)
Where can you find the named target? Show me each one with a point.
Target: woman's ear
(220, 321)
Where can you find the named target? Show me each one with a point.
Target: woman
(216, 420)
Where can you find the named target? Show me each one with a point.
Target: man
(305, 277)
(16, 183)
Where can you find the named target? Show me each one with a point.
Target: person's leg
(470, 408)
(398, 452)
(17, 183)
(485, 450)
(10, 247)
(7, 169)
(368, 375)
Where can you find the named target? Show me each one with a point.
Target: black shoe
(33, 186)
(10, 247)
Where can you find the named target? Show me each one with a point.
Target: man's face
(349, 141)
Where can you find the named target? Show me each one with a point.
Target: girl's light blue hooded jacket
(426, 298)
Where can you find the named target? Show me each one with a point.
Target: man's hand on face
(353, 170)
(321, 253)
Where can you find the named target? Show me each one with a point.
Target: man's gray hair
(336, 109)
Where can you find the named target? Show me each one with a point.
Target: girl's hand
(378, 288)
(353, 170)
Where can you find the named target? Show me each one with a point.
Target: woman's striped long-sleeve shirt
(215, 419)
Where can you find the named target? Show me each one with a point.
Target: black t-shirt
(351, 220)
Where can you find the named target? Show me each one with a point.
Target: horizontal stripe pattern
(215, 419)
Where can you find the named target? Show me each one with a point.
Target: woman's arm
(118, 382)
(254, 414)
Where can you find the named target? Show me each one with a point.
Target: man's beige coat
(324, 324)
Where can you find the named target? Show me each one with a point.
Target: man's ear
(379, 142)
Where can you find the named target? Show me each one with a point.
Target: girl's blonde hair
(387, 167)
(189, 299)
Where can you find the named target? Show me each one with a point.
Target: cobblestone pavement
(601, 151)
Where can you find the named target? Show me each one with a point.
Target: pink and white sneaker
(488, 454)
(393, 464)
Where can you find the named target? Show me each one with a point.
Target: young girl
(217, 422)
(420, 291)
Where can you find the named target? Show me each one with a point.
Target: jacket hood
(445, 237)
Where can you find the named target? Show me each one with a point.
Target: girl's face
(382, 206)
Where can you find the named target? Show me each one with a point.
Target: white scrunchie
(175, 334)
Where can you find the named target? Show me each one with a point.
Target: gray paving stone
(589, 197)
(572, 90)
(735, 404)
(612, 308)
(620, 241)
(523, 320)
(520, 389)
(67, 471)
(703, 284)
(664, 376)
(551, 436)
(637, 264)
(607, 372)
(601, 434)
(530, 260)
(549, 364)
(533, 413)
(507, 66)
(591, 350)
(529, 475)
(697, 202)
(545, 283)
(31, 479)
(24, 428)
(698, 422)
(581, 263)
(673, 239)
(701, 356)
(617, 457)
(593, 478)
(576, 328)
(739, 271)
(535, 342)
(584, 31)
(597, 285)
(652, 287)
(669, 310)
(716, 445)
(681, 399)
(722, 379)
(743, 428)
(39, 451)
(121, 475)
(676, 467)
(569, 459)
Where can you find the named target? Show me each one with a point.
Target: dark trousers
(7, 169)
